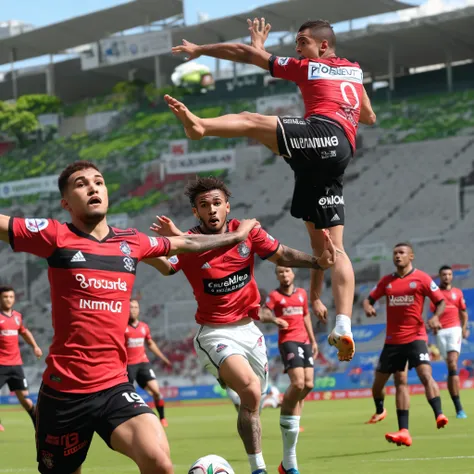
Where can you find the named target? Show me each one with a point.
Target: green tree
(38, 104)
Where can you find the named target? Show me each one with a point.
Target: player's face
(212, 209)
(86, 196)
(402, 256)
(446, 277)
(285, 276)
(307, 46)
(134, 310)
(7, 300)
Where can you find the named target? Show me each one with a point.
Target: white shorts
(213, 346)
(449, 339)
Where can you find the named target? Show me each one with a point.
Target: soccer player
(11, 365)
(298, 350)
(139, 367)
(453, 322)
(228, 343)
(406, 339)
(91, 272)
(317, 147)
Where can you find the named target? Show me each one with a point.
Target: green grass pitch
(335, 440)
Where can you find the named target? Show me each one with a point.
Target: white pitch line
(437, 458)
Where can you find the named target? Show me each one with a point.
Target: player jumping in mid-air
(11, 365)
(298, 350)
(454, 328)
(139, 367)
(91, 272)
(406, 340)
(317, 147)
(228, 343)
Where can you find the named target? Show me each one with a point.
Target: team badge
(143, 331)
(129, 264)
(173, 260)
(36, 225)
(153, 241)
(290, 356)
(17, 321)
(413, 284)
(433, 286)
(301, 298)
(243, 250)
(220, 347)
(47, 459)
(260, 341)
(125, 248)
(453, 295)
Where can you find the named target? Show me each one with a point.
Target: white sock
(256, 462)
(290, 429)
(343, 325)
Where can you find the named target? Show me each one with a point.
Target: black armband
(371, 300)
(271, 62)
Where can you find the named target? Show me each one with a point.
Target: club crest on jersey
(129, 264)
(47, 459)
(143, 331)
(243, 250)
(453, 295)
(413, 284)
(300, 298)
(173, 260)
(17, 320)
(220, 347)
(36, 225)
(125, 248)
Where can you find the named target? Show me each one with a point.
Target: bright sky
(44, 12)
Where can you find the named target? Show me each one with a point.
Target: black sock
(32, 413)
(436, 405)
(402, 416)
(457, 403)
(160, 408)
(378, 405)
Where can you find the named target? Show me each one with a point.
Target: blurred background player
(228, 343)
(287, 307)
(139, 367)
(454, 328)
(317, 147)
(11, 364)
(406, 339)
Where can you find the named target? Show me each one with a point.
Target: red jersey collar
(79, 233)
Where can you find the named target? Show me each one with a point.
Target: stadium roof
(284, 15)
(88, 28)
(419, 42)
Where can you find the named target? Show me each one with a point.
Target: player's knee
(308, 385)
(298, 384)
(156, 462)
(425, 378)
(250, 395)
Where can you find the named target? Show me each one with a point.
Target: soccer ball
(211, 464)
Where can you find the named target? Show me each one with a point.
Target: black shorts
(66, 422)
(394, 357)
(142, 373)
(296, 354)
(318, 152)
(14, 376)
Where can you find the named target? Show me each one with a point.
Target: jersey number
(425, 357)
(300, 352)
(133, 397)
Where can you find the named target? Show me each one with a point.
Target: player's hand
(434, 324)
(259, 32)
(370, 311)
(167, 362)
(328, 257)
(315, 350)
(245, 226)
(38, 352)
(465, 333)
(320, 310)
(191, 50)
(281, 323)
(165, 227)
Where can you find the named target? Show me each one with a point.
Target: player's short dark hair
(71, 169)
(444, 267)
(404, 244)
(6, 289)
(204, 185)
(321, 30)
(134, 299)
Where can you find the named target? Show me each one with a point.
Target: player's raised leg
(425, 375)
(143, 440)
(453, 383)
(301, 383)
(246, 124)
(153, 389)
(402, 401)
(378, 394)
(237, 373)
(343, 284)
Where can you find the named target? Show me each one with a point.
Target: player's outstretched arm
(237, 52)
(161, 264)
(29, 339)
(4, 221)
(259, 31)
(367, 115)
(198, 243)
(288, 257)
(153, 346)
